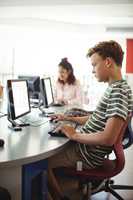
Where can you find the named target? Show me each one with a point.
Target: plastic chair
(106, 172)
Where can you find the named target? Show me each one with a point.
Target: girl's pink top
(72, 94)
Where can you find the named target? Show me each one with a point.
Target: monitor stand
(34, 103)
(15, 126)
(44, 113)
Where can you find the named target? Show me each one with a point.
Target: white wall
(35, 49)
(27, 48)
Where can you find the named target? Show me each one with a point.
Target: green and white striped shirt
(116, 101)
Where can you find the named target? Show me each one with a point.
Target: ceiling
(114, 15)
(60, 2)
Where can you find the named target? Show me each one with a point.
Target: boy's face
(100, 69)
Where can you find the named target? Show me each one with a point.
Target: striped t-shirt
(116, 101)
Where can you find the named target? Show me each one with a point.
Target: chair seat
(106, 171)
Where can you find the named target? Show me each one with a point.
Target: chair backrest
(128, 136)
(118, 148)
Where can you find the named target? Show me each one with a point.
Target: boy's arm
(107, 137)
(63, 117)
(79, 120)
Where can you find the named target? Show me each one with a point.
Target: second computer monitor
(47, 92)
(33, 85)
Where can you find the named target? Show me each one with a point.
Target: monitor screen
(47, 92)
(33, 85)
(18, 98)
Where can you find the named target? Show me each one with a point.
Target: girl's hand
(64, 102)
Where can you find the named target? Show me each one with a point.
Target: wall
(33, 48)
(129, 62)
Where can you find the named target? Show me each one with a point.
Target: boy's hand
(69, 131)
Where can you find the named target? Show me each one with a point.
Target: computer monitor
(33, 85)
(18, 98)
(47, 92)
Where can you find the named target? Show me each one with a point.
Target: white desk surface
(29, 145)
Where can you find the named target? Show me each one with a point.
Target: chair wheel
(111, 181)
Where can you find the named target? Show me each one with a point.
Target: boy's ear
(108, 62)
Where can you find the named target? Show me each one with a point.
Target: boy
(96, 138)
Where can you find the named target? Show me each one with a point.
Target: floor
(126, 177)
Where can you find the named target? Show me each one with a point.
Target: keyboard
(34, 118)
(52, 132)
(76, 112)
(56, 134)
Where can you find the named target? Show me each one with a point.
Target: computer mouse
(56, 133)
(53, 120)
(2, 142)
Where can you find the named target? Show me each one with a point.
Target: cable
(2, 114)
(35, 123)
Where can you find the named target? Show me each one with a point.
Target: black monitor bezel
(11, 107)
(44, 92)
(33, 93)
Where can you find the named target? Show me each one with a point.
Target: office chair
(128, 136)
(90, 176)
(127, 142)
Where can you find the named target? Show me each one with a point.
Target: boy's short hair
(108, 49)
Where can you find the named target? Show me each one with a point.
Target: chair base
(122, 187)
(107, 186)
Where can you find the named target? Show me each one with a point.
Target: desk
(23, 153)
